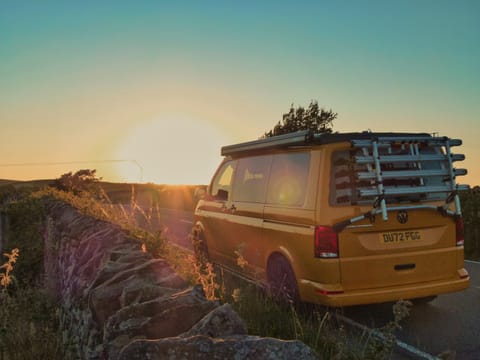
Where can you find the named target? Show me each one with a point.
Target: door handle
(232, 208)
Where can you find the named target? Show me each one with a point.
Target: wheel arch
(278, 260)
(281, 252)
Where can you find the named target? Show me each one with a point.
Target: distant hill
(20, 183)
(7, 182)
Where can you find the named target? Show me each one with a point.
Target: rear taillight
(326, 242)
(459, 231)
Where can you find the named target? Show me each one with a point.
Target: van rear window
(345, 184)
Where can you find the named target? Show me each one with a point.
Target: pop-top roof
(306, 138)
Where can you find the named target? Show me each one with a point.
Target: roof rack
(304, 138)
(298, 138)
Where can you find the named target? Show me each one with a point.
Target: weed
(205, 275)
(241, 262)
(381, 347)
(5, 277)
(127, 217)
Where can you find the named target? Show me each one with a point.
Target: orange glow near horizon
(169, 150)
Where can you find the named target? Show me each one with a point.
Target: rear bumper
(316, 293)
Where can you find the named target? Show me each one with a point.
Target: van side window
(288, 179)
(251, 179)
(222, 182)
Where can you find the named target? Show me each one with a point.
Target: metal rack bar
(414, 160)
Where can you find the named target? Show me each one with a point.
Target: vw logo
(402, 217)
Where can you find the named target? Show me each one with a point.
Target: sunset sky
(148, 91)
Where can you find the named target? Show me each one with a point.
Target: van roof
(305, 138)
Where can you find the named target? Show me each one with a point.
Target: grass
(266, 317)
(29, 325)
(315, 326)
(29, 316)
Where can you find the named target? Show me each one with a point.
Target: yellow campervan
(338, 219)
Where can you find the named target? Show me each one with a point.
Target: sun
(170, 150)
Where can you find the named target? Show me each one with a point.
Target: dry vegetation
(315, 326)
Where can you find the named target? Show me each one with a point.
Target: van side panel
(290, 231)
(243, 245)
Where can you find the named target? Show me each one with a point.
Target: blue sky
(166, 84)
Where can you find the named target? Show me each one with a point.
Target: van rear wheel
(281, 280)
(423, 300)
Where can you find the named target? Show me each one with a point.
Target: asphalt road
(178, 224)
(449, 323)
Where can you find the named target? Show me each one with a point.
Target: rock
(176, 320)
(220, 322)
(151, 311)
(142, 291)
(105, 299)
(169, 315)
(207, 348)
(119, 302)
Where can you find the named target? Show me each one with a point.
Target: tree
(313, 118)
(82, 181)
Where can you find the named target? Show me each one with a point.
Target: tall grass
(127, 217)
(315, 326)
(29, 316)
(29, 325)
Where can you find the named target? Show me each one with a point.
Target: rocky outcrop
(119, 303)
(206, 348)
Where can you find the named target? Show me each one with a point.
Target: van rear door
(413, 246)
(403, 180)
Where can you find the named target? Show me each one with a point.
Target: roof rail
(298, 138)
(308, 137)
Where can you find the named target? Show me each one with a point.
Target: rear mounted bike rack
(395, 167)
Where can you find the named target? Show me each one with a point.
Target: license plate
(399, 237)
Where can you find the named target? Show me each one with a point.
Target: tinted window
(251, 179)
(222, 183)
(288, 179)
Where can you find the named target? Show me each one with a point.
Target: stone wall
(119, 303)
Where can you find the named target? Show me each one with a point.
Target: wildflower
(5, 278)
(236, 294)
(241, 260)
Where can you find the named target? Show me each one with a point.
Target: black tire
(423, 300)
(281, 280)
